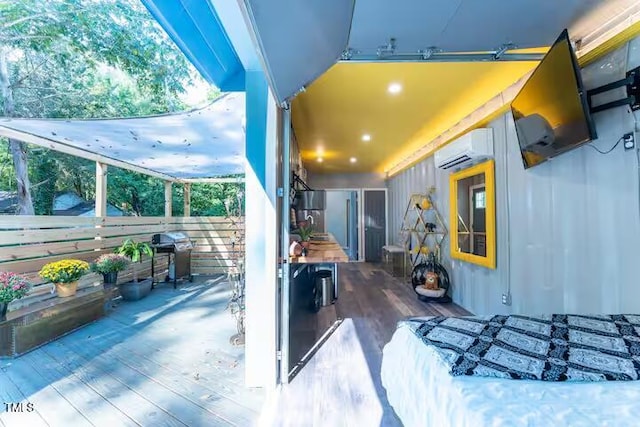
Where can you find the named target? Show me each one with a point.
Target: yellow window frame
(488, 169)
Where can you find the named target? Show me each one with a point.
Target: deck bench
(42, 322)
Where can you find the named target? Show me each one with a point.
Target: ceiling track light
(348, 53)
(429, 52)
(387, 50)
(502, 50)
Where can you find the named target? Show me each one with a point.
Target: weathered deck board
(54, 407)
(9, 393)
(85, 399)
(191, 395)
(118, 394)
(164, 360)
(213, 365)
(153, 390)
(341, 386)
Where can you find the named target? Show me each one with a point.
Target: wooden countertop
(321, 251)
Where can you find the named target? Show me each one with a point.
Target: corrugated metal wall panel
(568, 231)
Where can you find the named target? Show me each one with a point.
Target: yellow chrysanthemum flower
(64, 271)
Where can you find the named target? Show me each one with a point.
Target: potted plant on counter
(135, 251)
(65, 275)
(305, 232)
(12, 287)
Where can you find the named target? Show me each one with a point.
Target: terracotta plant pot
(306, 244)
(66, 289)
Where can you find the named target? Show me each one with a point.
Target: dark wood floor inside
(340, 385)
(377, 301)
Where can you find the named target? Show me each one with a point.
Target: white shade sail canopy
(203, 143)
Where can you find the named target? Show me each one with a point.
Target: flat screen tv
(551, 111)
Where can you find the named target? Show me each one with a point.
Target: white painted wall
(261, 259)
(568, 231)
(335, 215)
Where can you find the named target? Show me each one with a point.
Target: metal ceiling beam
(444, 57)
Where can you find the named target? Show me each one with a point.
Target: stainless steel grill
(178, 248)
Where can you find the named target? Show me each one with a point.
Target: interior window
(473, 210)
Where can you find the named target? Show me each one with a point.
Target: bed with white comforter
(423, 393)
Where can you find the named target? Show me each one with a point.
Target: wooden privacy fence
(29, 242)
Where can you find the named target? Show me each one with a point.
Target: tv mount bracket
(631, 82)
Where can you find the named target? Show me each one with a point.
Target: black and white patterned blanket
(556, 347)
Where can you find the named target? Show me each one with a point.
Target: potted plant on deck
(12, 287)
(135, 251)
(109, 265)
(65, 275)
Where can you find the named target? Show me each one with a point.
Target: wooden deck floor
(340, 386)
(163, 361)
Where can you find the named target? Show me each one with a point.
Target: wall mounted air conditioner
(471, 148)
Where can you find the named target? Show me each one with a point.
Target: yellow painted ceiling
(351, 99)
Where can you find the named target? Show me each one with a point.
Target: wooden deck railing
(29, 242)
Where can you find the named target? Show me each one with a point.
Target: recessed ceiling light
(353, 160)
(366, 137)
(320, 159)
(395, 88)
(320, 151)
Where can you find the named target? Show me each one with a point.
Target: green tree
(44, 189)
(138, 194)
(82, 58)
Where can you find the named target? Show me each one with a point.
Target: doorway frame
(386, 216)
(360, 218)
(360, 192)
(360, 212)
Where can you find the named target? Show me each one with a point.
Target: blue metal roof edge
(197, 30)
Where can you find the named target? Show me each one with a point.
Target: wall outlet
(629, 141)
(506, 299)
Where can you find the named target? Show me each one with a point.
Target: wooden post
(101, 190)
(187, 200)
(168, 200)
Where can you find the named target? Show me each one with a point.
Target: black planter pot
(110, 278)
(3, 310)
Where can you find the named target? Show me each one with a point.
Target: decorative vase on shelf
(3, 310)
(295, 249)
(66, 289)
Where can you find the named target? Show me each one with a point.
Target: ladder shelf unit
(423, 229)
